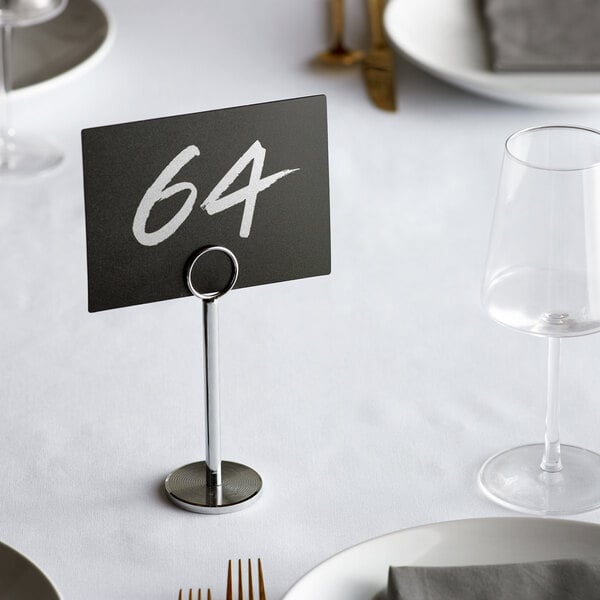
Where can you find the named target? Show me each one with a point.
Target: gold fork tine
(240, 582)
(229, 583)
(250, 584)
(191, 594)
(261, 582)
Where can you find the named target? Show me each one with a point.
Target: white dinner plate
(20, 579)
(446, 38)
(54, 51)
(361, 572)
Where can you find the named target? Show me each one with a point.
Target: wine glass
(543, 278)
(22, 155)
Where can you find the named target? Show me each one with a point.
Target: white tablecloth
(367, 399)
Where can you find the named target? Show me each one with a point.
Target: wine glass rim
(533, 165)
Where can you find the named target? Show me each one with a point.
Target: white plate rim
(38, 569)
(490, 84)
(451, 522)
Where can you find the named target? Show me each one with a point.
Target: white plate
(445, 38)
(361, 572)
(58, 49)
(20, 579)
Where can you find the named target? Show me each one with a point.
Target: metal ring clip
(231, 282)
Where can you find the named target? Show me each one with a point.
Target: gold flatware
(261, 583)
(191, 595)
(338, 55)
(378, 65)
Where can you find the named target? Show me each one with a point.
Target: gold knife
(378, 65)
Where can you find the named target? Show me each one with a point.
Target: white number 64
(215, 202)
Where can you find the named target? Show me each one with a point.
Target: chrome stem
(211, 379)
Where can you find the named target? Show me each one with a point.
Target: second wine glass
(543, 278)
(22, 155)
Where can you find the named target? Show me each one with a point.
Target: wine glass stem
(5, 80)
(551, 460)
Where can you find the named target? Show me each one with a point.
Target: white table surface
(366, 399)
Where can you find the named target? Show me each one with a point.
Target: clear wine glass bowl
(543, 278)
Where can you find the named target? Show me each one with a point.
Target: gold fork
(261, 582)
(191, 594)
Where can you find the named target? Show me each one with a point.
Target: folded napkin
(543, 35)
(572, 579)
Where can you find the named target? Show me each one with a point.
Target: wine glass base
(515, 480)
(25, 156)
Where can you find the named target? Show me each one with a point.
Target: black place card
(254, 179)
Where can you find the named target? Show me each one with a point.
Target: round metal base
(187, 488)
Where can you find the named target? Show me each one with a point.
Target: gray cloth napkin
(572, 579)
(543, 35)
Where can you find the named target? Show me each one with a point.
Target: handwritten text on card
(214, 203)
